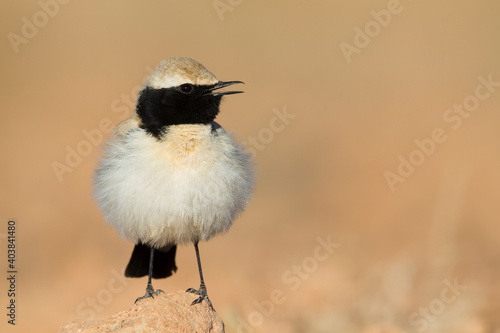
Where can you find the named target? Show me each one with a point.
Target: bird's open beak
(221, 84)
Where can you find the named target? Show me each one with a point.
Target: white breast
(188, 187)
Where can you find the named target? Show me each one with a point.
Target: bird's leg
(150, 291)
(203, 289)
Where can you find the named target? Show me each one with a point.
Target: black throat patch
(160, 108)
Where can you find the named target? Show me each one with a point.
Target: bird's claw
(150, 292)
(202, 292)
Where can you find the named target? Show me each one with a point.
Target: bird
(170, 175)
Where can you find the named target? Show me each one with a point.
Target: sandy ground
(375, 130)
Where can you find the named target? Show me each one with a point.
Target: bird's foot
(202, 292)
(150, 292)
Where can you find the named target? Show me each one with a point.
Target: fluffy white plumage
(187, 187)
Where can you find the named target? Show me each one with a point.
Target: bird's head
(179, 91)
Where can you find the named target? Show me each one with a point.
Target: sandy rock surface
(170, 312)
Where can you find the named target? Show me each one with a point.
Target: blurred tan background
(420, 255)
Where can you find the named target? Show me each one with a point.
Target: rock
(171, 312)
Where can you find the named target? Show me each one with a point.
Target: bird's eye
(186, 88)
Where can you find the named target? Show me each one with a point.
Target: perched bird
(170, 174)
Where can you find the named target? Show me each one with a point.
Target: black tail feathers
(163, 261)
